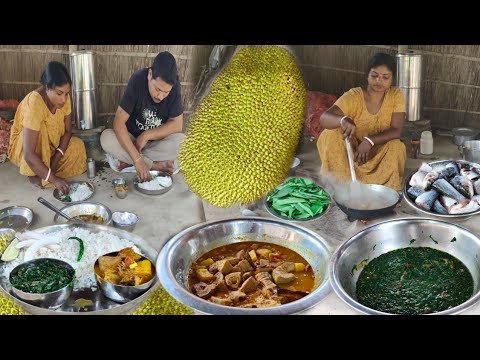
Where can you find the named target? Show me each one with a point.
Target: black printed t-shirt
(144, 113)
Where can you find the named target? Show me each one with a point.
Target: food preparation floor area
(162, 216)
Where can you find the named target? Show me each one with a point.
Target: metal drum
(410, 81)
(84, 94)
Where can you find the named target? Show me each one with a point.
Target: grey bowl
(396, 234)
(57, 195)
(50, 300)
(122, 293)
(18, 218)
(84, 208)
(177, 255)
(124, 220)
(153, 173)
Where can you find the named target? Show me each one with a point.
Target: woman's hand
(60, 184)
(348, 127)
(143, 172)
(363, 151)
(54, 161)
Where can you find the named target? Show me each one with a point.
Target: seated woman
(41, 141)
(372, 118)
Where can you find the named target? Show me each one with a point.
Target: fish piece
(425, 168)
(476, 198)
(444, 187)
(430, 178)
(448, 172)
(426, 200)
(464, 185)
(454, 166)
(476, 186)
(447, 202)
(474, 173)
(417, 179)
(438, 208)
(460, 209)
(415, 191)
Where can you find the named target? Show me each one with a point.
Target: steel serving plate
(395, 234)
(153, 173)
(56, 192)
(18, 218)
(451, 217)
(100, 304)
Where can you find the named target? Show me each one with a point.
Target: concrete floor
(165, 215)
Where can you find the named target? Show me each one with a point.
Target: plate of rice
(159, 183)
(79, 191)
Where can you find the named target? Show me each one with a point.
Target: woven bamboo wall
(451, 91)
(21, 67)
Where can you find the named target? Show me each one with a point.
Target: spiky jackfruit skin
(244, 133)
(8, 307)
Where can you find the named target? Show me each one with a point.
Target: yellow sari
(387, 161)
(33, 113)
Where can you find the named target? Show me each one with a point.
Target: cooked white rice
(158, 183)
(95, 245)
(80, 193)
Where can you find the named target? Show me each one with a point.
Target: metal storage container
(410, 81)
(82, 67)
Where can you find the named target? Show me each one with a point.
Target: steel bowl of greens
(43, 282)
(298, 199)
(410, 266)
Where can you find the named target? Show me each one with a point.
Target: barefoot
(166, 166)
(35, 180)
(122, 165)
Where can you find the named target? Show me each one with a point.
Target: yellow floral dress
(387, 161)
(33, 113)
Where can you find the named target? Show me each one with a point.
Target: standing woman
(372, 117)
(41, 141)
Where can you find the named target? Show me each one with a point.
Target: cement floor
(163, 216)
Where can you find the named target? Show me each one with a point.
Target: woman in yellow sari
(372, 118)
(41, 142)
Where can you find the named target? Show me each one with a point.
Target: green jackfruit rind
(243, 135)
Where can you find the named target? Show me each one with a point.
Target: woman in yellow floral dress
(41, 142)
(373, 118)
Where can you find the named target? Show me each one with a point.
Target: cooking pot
(462, 134)
(471, 151)
(386, 198)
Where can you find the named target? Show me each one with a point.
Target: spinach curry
(413, 281)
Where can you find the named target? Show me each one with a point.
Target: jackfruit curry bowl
(124, 275)
(246, 266)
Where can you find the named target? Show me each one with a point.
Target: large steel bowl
(176, 257)
(396, 234)
(85, 208)
(449, 217)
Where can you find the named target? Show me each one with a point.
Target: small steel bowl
(85, 208)
(18, 218)
(117, 182)
(122, 293)
(124, 220)
(50, 300)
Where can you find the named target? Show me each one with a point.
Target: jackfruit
(8, 307)
(244, 133)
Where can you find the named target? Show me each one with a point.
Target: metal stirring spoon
(42, 201)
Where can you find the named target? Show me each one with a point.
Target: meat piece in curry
(251, 275)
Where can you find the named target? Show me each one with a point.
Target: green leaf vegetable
(298, 198)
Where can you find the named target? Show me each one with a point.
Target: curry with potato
(251, 275)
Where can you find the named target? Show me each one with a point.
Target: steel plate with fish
(448, 189)
(18, 218)
(87, 301)
(66, 198)
(161, 189)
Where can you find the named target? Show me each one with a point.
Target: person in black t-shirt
(147, 128)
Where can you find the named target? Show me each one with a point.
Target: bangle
(369, 140)
(341, 120)
(48, 175)
(61, 151)
(138, 159)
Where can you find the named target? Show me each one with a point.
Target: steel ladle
(52, 207)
